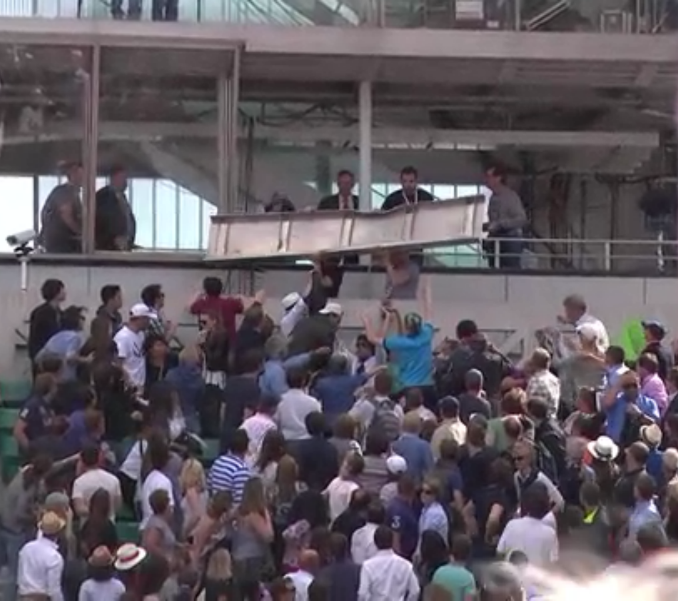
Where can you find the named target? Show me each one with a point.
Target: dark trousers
(509, 251)
(133, 9)
(165, 10)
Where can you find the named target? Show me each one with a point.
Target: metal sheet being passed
(246, 236)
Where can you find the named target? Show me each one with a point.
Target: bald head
(309, 561)
(412, 422)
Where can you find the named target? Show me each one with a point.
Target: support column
(90, 142)
(365, 119)
(227, 136)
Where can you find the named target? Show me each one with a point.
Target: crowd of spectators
(396, 469)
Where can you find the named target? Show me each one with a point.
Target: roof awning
(292, 235)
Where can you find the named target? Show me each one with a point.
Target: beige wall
(510, 306)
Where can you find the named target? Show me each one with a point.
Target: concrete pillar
(323, 168)
(90, 83)
(365, 120)
(228, 95)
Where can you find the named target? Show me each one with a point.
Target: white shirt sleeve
(364, 590)
(78, 492)
(290, 319)
(54, 572)
(413, 588)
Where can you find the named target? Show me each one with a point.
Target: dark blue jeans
(165, 10)
(11, 543)
(510, 250)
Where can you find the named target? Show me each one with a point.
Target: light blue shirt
(413, 356)
(273, 380)
(433, 517)
(66, 345)
(645, 512)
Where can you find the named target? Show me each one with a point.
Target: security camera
(21, 239)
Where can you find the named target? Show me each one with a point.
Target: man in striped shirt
(230, 472)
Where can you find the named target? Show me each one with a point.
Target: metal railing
(650, 16)
(613, 256)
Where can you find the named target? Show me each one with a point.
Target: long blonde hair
(192, 475)
(219, 565)
(253, 498)
(286, 477)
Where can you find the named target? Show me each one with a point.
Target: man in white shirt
(530, 534)
(309, 564)
(294, 310)
(363, 546)
(295, 405)
(576, 315)
(387, 576)
(130, 343)
(40, 564)
(92, 479)
(258, 425)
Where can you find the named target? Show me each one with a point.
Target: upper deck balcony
(607, 16)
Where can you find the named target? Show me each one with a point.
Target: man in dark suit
(115, 223)
(344, 200)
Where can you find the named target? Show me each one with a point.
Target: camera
(21, 242)
(21, 239)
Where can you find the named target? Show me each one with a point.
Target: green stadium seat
(8, 416)
(10, 467)
(125, 515)
(128, 532)
(211, 450)
(8, 446)
(14, 392)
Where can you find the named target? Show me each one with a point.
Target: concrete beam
(348, 136)
(345, 41)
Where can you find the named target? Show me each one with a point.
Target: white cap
(290, 300)
(396, 464)
(588, 331)
(140, 310)
(332, 309)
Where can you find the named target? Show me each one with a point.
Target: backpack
(546, 462)
(385, 419)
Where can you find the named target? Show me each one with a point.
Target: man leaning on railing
(507, 221)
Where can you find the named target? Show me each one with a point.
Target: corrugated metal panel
(284, 235)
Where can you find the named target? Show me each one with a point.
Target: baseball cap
(396, 464)
(140, 310)
(332, 309)
(290, 300)
(655, 326)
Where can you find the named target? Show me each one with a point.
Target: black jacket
(476, 355)
(112, 221)
(43, 323)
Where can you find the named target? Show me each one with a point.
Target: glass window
(190, 207)
(166, 214)
(19, 191)
(140, 196)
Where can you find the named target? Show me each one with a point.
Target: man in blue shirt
(624, 405)
(416, 451)
(403, 519)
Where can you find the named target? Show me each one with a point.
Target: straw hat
(101, 557)
(651, 435)
(129, 556)
(51, 524)
(603, 449)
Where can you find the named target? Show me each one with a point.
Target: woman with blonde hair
(194, 491)
(210, 527)
(273, 449)
(252, 536)
(218, 582)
